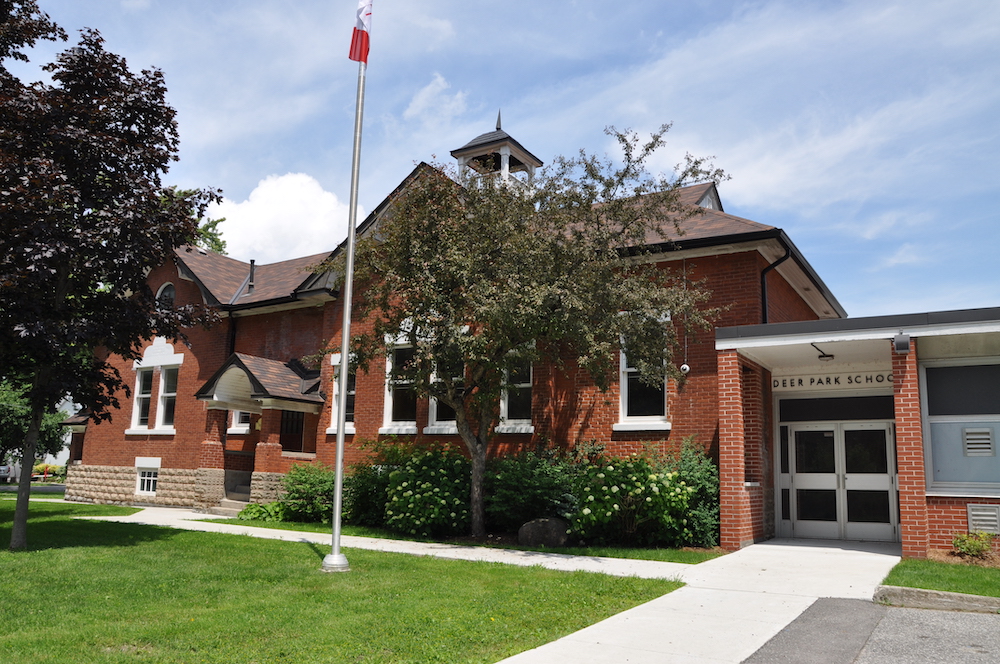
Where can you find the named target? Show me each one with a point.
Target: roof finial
(498, 119)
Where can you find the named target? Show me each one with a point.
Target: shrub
(263, 512)
(700, 473)
(429, 494)
(973, 545)
(309, 492)
(366, 488)
(628, 501)
(528, 486)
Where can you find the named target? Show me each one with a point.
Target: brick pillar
(210, 485)
(268, 452)
(736, 518)
(913, 519)
(212, 450)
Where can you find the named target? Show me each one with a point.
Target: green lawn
(660, 555)
(95, 592)
(931, 575)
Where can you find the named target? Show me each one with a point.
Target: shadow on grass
(67, 534)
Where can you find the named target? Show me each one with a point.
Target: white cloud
(432, 105)
(285, 216)
(908, 254)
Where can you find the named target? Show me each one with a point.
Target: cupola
(496, 152)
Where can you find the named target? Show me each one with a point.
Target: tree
(479, 276)
(14, 417)
(83, 218)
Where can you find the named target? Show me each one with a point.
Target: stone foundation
(211, 486)
(266, 487)
(115, 485)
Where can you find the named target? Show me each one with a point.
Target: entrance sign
(832, 381)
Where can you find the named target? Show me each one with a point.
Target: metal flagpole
(336, 561)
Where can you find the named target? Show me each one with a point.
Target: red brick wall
(913, 517)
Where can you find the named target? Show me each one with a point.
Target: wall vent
(985, 518)
(978, 442)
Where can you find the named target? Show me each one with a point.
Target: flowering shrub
(309, 492)
(699, 472)
(629, 501)
(528, 486)
(429, 494)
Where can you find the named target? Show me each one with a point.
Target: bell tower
(496, 152)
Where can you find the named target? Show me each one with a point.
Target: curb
(917, 598)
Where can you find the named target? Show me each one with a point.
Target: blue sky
(868, 130)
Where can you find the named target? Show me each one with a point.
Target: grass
(660, 555)
(99, 592)
(10, 493)
(949, 577)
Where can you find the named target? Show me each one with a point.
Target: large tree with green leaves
(479, 276)
(83, 218)
(15, 413)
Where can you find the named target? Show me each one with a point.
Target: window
(168, 398)
(515, 404)
(147, 475)
(165, 297)
(643, 406)
(292, 429)
(160, 359)
(962, 406)
(352, 378)
(401, 399)
(143, 394)
(441, 416)
(240, 423)
(147, 481)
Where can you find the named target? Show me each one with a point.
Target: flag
(359, 40)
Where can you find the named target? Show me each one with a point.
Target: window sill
(399, 430)
(441, 430)
(641, 426)
(150, 432)
(238, 431)
(514, 427)
(298, 455)
(348, 430)
(964, 490)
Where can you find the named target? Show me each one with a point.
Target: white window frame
(142, 397)
(159, 292)
(508, 424)
(335, 400)
(147, 474)
(237, 427)
(164, 396)
(157, 355)
(390, 426)
(638, 422)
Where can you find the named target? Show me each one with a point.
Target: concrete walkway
(730, 607)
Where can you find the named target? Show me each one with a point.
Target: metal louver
(978, 442)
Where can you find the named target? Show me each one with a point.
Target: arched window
(166, 295)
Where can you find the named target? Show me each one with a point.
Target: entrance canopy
(249, 383)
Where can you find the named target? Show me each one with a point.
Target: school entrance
(837, 477)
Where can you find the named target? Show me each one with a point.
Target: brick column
(913, 521)
(210, 485)
(268, 452)
(736, 519)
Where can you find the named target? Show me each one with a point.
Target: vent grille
(978, 442)
(984, 518)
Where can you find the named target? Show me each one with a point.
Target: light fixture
(823, 357)
(901, 343)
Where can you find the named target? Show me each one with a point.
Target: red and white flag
(359, 40)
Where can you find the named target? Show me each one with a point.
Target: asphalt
(803, 601)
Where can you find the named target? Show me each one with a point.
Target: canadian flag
(359, 40)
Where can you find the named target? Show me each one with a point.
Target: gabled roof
(225, 281)
(269, 379)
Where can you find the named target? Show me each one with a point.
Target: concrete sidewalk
(730, 607)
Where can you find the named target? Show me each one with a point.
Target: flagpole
(336, 561)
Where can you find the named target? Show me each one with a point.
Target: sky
(868, 130)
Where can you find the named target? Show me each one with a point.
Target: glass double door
(844, 481)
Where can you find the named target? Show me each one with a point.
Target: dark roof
(270, 379)
(899, 322)
(495, 137)
(224, 280)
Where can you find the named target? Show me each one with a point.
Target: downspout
(763, 280)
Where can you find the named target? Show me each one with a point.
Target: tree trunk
(478, 453)
(19, 533)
